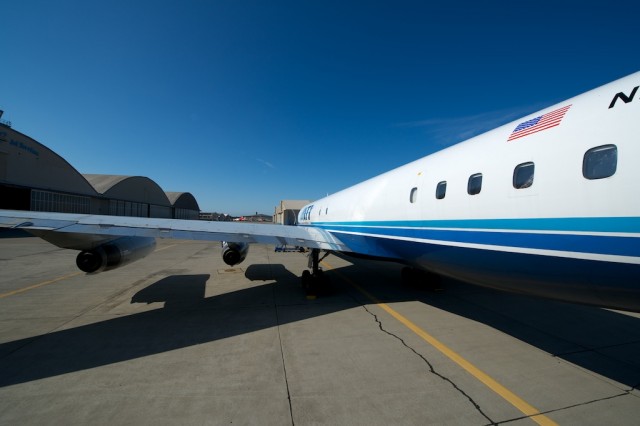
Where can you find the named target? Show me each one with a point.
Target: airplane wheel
(315, 285)
(322, 284)
(306, 280)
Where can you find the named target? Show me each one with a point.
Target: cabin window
(523, 175)
(600, 162)
(441, 190)
(413, 196)
(475, 184)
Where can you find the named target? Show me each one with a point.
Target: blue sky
(245, 103)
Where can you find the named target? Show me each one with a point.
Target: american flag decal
(540, 123)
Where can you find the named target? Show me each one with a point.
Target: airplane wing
(118, 226)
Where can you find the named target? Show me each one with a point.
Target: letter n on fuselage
(626, 99)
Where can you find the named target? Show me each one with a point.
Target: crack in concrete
(431, 368)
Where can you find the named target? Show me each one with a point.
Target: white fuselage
(562, 214)
(545, 205)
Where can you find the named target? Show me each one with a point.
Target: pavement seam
(597, 351)
(284, 364)
(44, 252)
(596, 348)
(85, 311)
(560, 355)
(556, 410)
(516, 320)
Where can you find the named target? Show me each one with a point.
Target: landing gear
(419, 278)
(315, 282)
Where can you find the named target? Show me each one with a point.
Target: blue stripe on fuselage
(563, 224)
(499, 232)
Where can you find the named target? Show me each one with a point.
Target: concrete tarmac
(181, 338)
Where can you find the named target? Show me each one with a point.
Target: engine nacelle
(115, 253)
(234, 253)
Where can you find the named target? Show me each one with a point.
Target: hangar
(33, 177)
(286, 213)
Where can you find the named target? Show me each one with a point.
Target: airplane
(546, 206)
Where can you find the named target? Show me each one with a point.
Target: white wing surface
(115, 226)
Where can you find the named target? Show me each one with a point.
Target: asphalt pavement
(181, 338)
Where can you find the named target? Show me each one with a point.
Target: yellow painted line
(55, 280)
(42, 284)
(166, 247)
(513, 399)
(177, 243)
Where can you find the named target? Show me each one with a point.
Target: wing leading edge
(117, 226)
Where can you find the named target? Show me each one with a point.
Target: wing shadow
(602, 341)
(187, 319)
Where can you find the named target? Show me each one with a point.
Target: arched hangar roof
(129, 188)
(183, 200)
(31, 164)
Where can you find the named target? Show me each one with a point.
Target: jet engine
(115, 253)
(234, 253)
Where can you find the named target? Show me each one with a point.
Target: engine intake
(234, 253)
(115, 253)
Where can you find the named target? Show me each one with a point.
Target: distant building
(33, 177)
(286, 213)
(258, 218)
(213, 216)
(184, 205)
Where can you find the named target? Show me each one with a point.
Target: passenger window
(475, 184)
(600, 162)
(441, 190)
(413, 196)
(523, 175)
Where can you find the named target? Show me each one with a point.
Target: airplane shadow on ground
(603, 341)
(599, 340)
